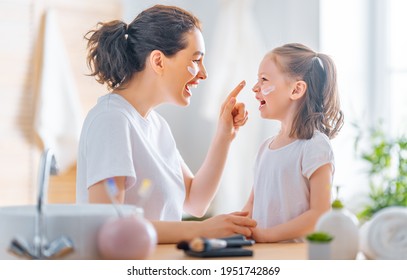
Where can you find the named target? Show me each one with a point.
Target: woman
(156, 59)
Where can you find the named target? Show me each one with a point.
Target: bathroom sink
(77, 223)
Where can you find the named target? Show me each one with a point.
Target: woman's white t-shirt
(117, 141)
(281, 178)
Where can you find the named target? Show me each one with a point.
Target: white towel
(58, 117)
(385, 235)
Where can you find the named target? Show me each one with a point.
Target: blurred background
(42, 50)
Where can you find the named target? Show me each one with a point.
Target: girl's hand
(232, 115)
(257, 235)
(227, 224)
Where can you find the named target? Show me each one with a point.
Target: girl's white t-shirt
(281, 178)
(117, 141)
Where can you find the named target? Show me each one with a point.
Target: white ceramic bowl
(80, 223)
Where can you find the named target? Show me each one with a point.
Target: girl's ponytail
(333, 116)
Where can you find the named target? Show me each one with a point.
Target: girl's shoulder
(319, 138)
(317, 143)
(265, 144)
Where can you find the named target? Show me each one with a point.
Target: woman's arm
(98, 192)
(201, 188)
(173, 232)
(215, 227)
(320, 200)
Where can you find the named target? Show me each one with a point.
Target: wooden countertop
(261, 251)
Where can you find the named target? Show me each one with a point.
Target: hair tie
(126, 34)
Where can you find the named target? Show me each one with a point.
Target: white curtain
(236, 53)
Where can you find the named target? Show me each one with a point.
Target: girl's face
(185, 69)
(272, 90)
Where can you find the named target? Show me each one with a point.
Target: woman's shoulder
(105, 108)
(107, 103)
(104, 112)
(156, 117)
(157, 120)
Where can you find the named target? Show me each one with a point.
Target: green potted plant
(319, 245)
(387, 168)
(319, 237)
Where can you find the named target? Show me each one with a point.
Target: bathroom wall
(279, 21)
(21, 34)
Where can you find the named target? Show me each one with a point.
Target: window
(397, 70)
(367, 41)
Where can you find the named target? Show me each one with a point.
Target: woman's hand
(227, 224)
(232, 114)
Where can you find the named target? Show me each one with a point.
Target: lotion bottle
(344, 227)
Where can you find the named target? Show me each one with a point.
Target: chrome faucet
(41, 249)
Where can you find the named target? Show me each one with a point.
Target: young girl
(156, 59)
(294, 170)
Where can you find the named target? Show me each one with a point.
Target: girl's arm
(201, 188)
(249, 205)
(320, 202)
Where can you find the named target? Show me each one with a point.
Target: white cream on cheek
(193, 70)
(267, 90)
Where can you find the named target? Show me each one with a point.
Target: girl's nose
(256, 88)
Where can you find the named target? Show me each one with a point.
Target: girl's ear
(299, 90)
(156, 60)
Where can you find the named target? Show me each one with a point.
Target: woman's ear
(156, 60)
(299, 90)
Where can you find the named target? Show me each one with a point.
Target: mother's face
(184, 70)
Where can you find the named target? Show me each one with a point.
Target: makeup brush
(205, 244)
(183, 245)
